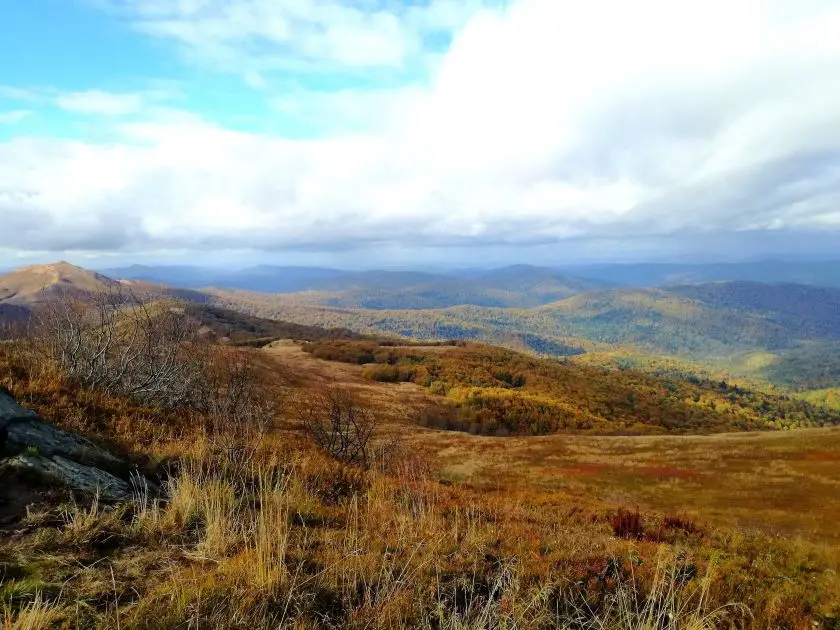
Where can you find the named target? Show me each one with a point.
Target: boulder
(24, 429)
(69, 473)
(36, 449)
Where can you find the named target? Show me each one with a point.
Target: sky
(399, 132)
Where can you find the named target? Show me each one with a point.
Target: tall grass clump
(37, 614)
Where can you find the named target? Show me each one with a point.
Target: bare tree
(234, 400)
(112, 341)
(340, 426)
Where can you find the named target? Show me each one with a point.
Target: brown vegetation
(493, 391)
(290, 538)
(340, 426)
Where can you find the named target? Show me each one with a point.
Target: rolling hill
(495, 391)
(518, 287)
(709, 326)
(656, 320)
(249, 519)
(813, 311)
(515, 286)
(23, 289)
(29, 285)
(786, 334)
(244, 329)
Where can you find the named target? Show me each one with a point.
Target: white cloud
(254, 37)
(100, 102)
(545, 121)
(347, 111)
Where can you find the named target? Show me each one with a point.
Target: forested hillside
(655, 319)
(782, 333)
(812, 311)
(494, 391)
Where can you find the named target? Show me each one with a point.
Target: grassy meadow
(446, 530)
(783, 482)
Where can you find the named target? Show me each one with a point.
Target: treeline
(814, 365)
(655, 321)
(243, 328)
(494, 391)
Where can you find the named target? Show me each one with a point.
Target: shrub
(333, 486)
(627, 524)
(389, 373)
(114, 342)
(340, 426)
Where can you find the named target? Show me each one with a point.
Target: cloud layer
(543, 121)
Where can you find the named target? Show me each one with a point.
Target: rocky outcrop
(34, 449)
(71, 474)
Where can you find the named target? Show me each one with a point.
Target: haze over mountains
(283, 279)
(520, 285)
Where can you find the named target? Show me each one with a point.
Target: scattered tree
(340, 426)
(114, 342)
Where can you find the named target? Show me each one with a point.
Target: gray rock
(11, 412)
(53, 455)
(71, 474)
(25, 429)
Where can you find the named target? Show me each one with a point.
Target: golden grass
(783, 482)
(268, 547)
(291, 539)
(34, 615)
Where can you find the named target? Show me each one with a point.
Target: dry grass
(34, 615)
(784, 483)
(271, 549)
(290, 539)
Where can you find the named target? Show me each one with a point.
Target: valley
(748, 331)
(764, 335)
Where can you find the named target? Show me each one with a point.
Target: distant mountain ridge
(267, 278)
(515, 286)
(818, 273)
(285, 279)
(788, 333)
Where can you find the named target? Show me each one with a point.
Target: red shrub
(627, 524)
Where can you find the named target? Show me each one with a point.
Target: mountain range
(520, 285)
(287, 279)
(781, 332)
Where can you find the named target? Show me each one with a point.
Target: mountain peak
(24, 285)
